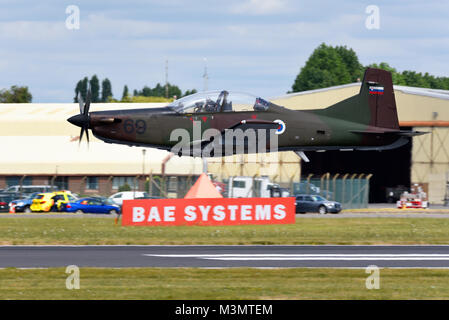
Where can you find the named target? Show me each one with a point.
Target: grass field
(305, 231)
(242, 283)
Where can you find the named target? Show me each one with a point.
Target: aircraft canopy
(219, 101)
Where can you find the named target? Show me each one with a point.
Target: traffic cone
(12, 209)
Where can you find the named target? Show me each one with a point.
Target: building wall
(281, 167)
(430, 160)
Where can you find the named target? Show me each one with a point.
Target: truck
(260, 187)
(416, 199)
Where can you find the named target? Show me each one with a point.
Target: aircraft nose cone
(79, 120)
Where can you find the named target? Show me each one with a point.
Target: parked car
(24, 204)
(5, 199)
(148, 197)
(314, 203)
(118, 198)
(28, 189)
(51, 201)
(3, 204)
(309, 188)
(92, 205)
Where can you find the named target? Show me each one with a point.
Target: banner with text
(207, 212)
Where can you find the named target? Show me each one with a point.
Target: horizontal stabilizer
(404, 133)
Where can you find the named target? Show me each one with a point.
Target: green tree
(396, 76)
(125, 93)
(15, 94)
(106, 90)
(95, 88)
(146, 92)
(351, 61)
(77, 91)
(158, 90)
(173, 91)
(413, 78)
(81, 88)
(325, 68)
(189, 92)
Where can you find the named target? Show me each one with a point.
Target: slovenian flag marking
(376, 90)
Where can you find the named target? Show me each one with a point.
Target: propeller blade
(81, 103)
(87, 136)
(81, 135)
(87, 105)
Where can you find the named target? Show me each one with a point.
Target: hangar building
(40, 147)
(424, 161)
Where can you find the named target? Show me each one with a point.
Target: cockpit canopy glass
(219, 101)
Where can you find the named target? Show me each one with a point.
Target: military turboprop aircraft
(366, 121)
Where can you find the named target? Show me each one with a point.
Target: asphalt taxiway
(263, 256)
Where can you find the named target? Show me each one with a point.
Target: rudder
(374, 106)
(377, 86)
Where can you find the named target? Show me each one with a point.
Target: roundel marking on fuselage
(281, 128)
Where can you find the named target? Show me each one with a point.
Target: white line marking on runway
(329, 258)
(308, 257)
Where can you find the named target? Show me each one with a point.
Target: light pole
(205, 75)
(143, 161)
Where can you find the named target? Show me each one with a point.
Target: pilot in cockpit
(222, 104)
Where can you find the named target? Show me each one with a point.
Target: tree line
(330, 66)
(15, 94)
(147, 94)
(327, 66)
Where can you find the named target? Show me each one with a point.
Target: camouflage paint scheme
(366, 121)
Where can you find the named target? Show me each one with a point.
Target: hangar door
(389, 168)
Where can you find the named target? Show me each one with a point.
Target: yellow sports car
(51, 201)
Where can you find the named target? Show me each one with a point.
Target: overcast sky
(256, 46)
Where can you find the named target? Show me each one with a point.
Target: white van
(30, 189)
(118, 198)
(260, 187)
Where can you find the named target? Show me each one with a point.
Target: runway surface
(225, 256)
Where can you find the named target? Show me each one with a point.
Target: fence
(351, 190)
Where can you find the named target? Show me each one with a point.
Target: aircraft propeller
(82, 119)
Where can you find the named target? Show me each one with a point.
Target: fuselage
(304, 130)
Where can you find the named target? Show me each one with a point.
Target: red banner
(208, 212)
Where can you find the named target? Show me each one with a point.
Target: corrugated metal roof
(434, 93)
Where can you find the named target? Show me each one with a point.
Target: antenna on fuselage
(166, 78)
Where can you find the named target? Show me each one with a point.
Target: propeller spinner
(82, 120)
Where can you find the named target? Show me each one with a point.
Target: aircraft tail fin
(375, 105)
